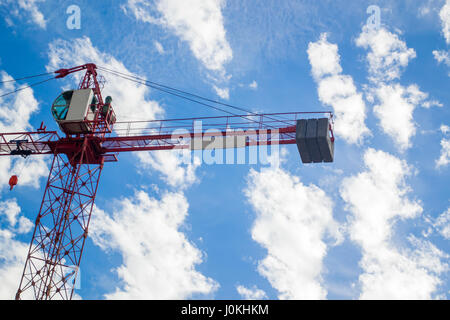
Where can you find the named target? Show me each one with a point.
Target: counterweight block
(314, 140)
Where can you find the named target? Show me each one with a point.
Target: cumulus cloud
(159, 47)
(292, 221)
(324, 58)
(442, 223)
(17, 8)
(444, 14)
(224, 93)
(388, 55)
(442, 56)
(36, 15)
(198, 23)
(130, 100)
(158, 260)
(377, 198)
(15, 113)
(175, 166)
(253, 85)
(395, 109)
(11, 210)
(12, 255)
(444, 159)
(12, 251)
(15, 109)
(338, 91)
(251, 293)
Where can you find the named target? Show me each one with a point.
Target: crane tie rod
(193, 97)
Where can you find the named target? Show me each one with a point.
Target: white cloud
(442, 56)
(11, 210)
(387, 57)
(388, 54)
(176, 167)
(12, 252)
(442, 223)
(159, 47)
(377, 198)
(130, 100)
(292, 220)
(158, 260)
(30, 7)
(199, 23)
(16, 109)
(444, 14)
(444, 159)
(429, 8)
(324, 58)
(395, 109)
(12, 256)
(251, 293)
(224, 93)
(253, 85)
(338, 91)
(15, 113)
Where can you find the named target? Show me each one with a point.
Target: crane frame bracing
(62, 224)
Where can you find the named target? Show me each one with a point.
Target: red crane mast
(62, 224)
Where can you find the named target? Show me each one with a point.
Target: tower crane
(93, 137)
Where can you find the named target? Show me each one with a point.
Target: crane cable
(164, 88)
(144, 82)
(160, 87)
(178, 90)
(27, 77)
(181, 94)
(26, 87)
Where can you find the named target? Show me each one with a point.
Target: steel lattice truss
(61, 229)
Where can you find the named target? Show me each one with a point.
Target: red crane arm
(64, 72)
(191, 133)
(189, 140)
(196, 133)
(27, 143)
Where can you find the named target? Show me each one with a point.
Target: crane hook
(13, 182)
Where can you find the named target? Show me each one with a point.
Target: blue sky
(374, 224)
